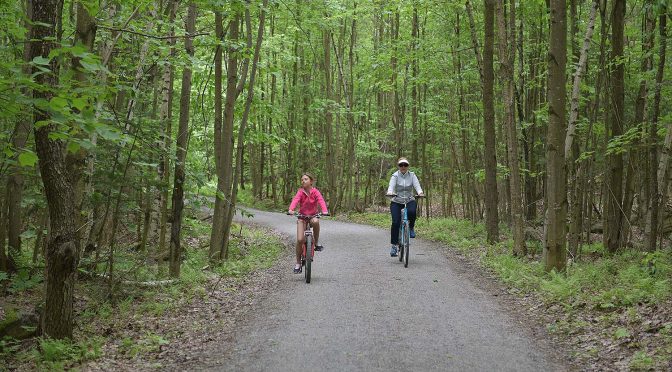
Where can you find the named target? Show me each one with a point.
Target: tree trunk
(506, 53)
(166, 118)
(241, 131)
(15, 180)
(218, 216)
(571, 146)
(63, 248)
(614, 172)
(554, 254)
(490, 153)
(659, 168)
(218, 238)
(181, 149)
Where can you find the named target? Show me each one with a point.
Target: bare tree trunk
(166, 117)
(218, 238)
(85, 33)
(554, 255)
(614, 173)
(571, 146)
(218, 216)
(659, 168)
(181, 149)
(490, 153)
(63, 247)
(15, 180)
(243, 124)
(507, 56)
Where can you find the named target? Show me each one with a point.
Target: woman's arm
(392, 185)
(416, 184)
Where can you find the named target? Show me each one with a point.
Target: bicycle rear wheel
(407, 239)
(309, 256)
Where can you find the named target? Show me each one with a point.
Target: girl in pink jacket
(308, 198)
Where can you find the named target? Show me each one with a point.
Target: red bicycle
(307, 259)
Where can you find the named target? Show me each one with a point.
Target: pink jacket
(308, 201)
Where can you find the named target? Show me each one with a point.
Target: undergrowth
(99, 320)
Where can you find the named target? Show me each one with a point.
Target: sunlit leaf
(27, 159)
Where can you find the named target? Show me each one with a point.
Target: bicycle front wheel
(407, 244)
(309, 258)
(400, 244)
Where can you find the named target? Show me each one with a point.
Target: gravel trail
(363, 311)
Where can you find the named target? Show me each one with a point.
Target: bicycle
(404, 231)
(309, 242)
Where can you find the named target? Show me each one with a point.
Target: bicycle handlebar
(393, 195)
(309, 216)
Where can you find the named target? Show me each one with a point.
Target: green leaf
(73, 147)
(39, 60)
(108, 133)
(27, 159)
(90, 66)
(58, 103)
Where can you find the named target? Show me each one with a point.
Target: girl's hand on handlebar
(290, 212)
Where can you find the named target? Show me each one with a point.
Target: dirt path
(365, 311)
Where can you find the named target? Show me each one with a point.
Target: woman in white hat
(401, 188)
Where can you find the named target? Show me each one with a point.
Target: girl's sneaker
(297, 269)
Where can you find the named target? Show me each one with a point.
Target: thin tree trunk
(15, 180)
(659, 185)
(167, 120)
(571, 146)
(554, 254)
(181, 149)
(506, 52)
(614, 174)
(241, 131)
(218, 216)
(490, 153)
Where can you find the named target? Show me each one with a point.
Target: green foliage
(641, 361)
(257, 250)
(25, 280)
(150, 343)
(63, 354)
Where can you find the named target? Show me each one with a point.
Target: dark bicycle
(404, 231)
(307, 259)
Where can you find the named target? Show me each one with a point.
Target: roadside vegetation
(142, 316)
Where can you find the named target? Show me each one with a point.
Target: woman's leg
(315, 223)
(395, 210)
(300, 239)
(412, 213)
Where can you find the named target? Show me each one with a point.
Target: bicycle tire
(400, 244)
(309, 258)
(407, 243)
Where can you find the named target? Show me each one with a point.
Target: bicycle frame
(307, 259)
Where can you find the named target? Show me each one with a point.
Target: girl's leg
(412, 213)
(315, 223)
(300, 239)
(395, 210)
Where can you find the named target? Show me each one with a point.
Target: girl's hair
(310, 175)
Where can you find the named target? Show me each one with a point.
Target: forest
(132, 132)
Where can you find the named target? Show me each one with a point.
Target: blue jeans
(395, 210)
